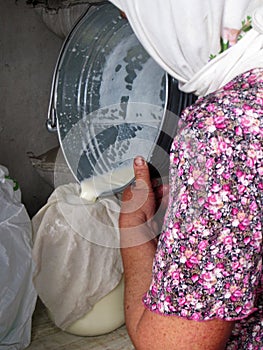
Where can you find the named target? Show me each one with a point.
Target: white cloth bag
(76, 251)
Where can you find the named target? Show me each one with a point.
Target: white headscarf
(181, 35)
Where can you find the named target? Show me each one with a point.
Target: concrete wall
(28, 54)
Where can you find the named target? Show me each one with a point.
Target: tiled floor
(46, 336)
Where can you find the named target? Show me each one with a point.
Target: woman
(201, 283)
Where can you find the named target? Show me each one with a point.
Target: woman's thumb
(141, 172)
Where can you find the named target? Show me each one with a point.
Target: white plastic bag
(17, 293)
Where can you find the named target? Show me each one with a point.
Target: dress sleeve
(208, 262)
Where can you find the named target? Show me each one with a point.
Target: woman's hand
(138, 205)
(161, 191)
(123, 15)
(230, 35)
(144, 202)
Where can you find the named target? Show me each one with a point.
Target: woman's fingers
(123, 15)
(230, 35)
(142, 179)
(138, 200)
(142, 174)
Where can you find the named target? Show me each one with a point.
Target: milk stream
(95, 186)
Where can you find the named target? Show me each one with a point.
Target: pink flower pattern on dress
(208, 262)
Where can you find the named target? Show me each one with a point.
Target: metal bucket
(109, 97)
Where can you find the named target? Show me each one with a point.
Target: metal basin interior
(110, 96)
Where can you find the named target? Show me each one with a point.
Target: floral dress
(208, 262)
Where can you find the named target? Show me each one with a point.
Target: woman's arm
(147, 329)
